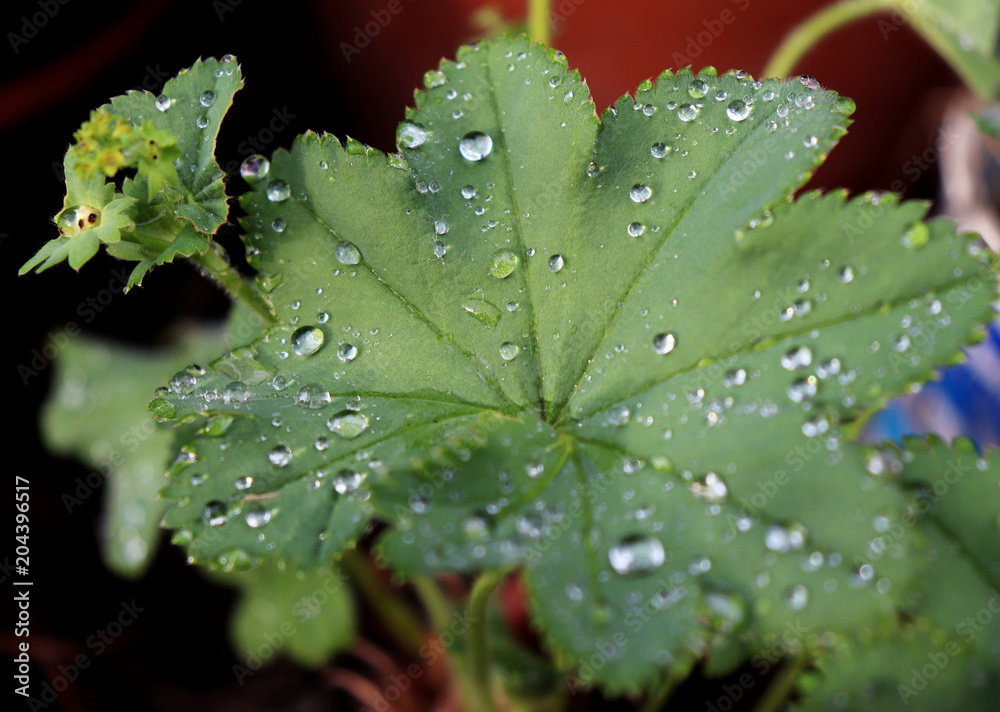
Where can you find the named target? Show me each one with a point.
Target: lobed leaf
(612, 352)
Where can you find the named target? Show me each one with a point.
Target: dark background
(177, 657)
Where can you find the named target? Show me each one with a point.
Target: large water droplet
(797, 358)
(711, 489)
(475, 146)
(410, 135)
(347, 352)
(637, 555)
(687, 112)
(236, 392)
(313, 396)
(278, 191)
(254, 168)
(508, 351)
(737, 110)
(163, 102)
(183, 382)
(207, 99)
(636, 229)
(307, 340)
(346, 253)
(664, 343)
(556, 263)
(280, 455)
(214, 514)
(797, 597)
(257, 515)
(348, 424)
(659, 150)
(619, 415)
(346, 481)
(640, 193)
(503, 264)
(801, 389)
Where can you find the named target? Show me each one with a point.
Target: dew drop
(313, 396)
(346, 253)
(636, 229)
(207, 99)
(278, 191)
(280, 455)
(257, 516)
(503, 264)
(687, 112)
(846, 274)
(236, 392)
(346, 481)
(618, 415)
(348, 424)
(508, 351)
(797, 358)
(347, 352)
(737, 110)
(410, 135)
(664, 343)
(243, 482)
(637, 555)
(163, 102)
(254, 168)
(797, 597)
(640, 193)
(475, 146)
(307, 340)
(214, 514)
(659, 150)
(556, 263)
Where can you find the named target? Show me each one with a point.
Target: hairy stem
(398, 616)
(815, 28)
(538, 21)
(781, 687)
(218, 267)
(478, 639)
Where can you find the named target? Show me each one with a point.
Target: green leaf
(943, 656)
(308, 616)
(195, 102)
(612, 352)
(965, 34)
(97, 412)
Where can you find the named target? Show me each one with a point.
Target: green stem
(539, 28)
(434, 601)
(809, 33)
(781, 687)
(478, 639)
(399, 618)
(658, 697)
(218, 268)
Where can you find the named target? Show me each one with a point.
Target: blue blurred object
(965, 401)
